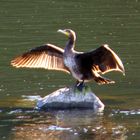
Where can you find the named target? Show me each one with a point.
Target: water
(26, 24)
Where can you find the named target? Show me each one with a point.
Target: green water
(26, 24)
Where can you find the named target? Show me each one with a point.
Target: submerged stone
(68, 98)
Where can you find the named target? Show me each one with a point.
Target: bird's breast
(70, 62)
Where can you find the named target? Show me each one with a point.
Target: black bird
(83, 66)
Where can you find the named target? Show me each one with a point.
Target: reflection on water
(62, 125)
(26, 123)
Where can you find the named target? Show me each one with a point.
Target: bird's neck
(69, 46)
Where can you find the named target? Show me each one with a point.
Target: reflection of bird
(83, 66)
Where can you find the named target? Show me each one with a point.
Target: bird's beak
(63, 32)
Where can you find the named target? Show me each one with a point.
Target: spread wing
(101, 60)
(47, 56)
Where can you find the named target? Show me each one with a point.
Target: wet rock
(68, 98)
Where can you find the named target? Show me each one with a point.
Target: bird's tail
(101, 80)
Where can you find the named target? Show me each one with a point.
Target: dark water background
(26, 24)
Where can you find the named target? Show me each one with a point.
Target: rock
(68, 98)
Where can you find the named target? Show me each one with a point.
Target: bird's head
(69, 33)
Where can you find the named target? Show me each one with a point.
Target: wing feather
(47, 56)
(101, 60)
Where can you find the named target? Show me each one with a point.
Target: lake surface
(26, 24)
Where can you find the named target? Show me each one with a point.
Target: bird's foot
(80, 87)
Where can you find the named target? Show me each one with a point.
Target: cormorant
(84, 66)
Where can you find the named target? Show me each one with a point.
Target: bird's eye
(68, 31)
